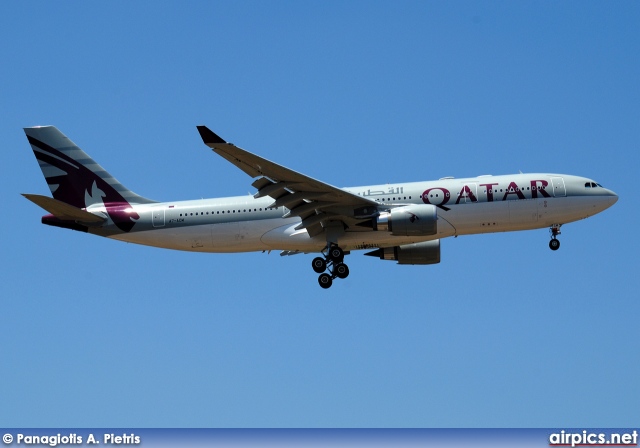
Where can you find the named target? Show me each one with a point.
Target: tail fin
(74, 177)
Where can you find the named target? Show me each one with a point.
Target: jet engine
(409, 220)
(427, 252)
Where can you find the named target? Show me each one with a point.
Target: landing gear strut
(554, 244)
(333, 261)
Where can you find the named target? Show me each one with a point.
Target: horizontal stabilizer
(62, 210)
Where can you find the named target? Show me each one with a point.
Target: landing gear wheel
(319, 265)
(325, 281)
(341, 270)
(336, 254)
(333, 262)
(554, 244)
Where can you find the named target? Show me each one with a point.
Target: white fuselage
(465, 206)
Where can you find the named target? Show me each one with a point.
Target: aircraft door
(158, 217)
(558, 187)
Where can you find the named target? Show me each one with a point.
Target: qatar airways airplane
(295, 213)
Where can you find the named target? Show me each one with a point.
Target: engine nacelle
(427, 252)
(409, 220)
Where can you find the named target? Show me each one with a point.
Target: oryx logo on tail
(76, 179)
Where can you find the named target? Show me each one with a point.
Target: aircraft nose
(612, 198)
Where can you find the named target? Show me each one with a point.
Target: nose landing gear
(333, 261)
(554, 244)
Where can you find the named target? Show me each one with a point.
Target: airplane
(294, 213)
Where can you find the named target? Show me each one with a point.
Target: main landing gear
(554, 244)
(333, 261)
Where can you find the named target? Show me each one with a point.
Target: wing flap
(307, 208)
(315, 230)
(261, 183)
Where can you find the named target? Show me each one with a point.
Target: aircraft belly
(482, 217)
(523, 214)
(192, 238)
(222, 237)
(286, 237)
(445, 228)
(242, 236)
(571, 208)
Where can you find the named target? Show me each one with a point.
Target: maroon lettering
(513, 189)
(489, 191)
(466, 193)
(433, 198)
(535, 188)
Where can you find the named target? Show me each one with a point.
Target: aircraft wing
(315, 202)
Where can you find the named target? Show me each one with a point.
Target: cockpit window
(592, 185)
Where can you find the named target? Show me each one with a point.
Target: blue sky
(502, 333)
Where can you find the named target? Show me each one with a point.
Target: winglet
(208, 136)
